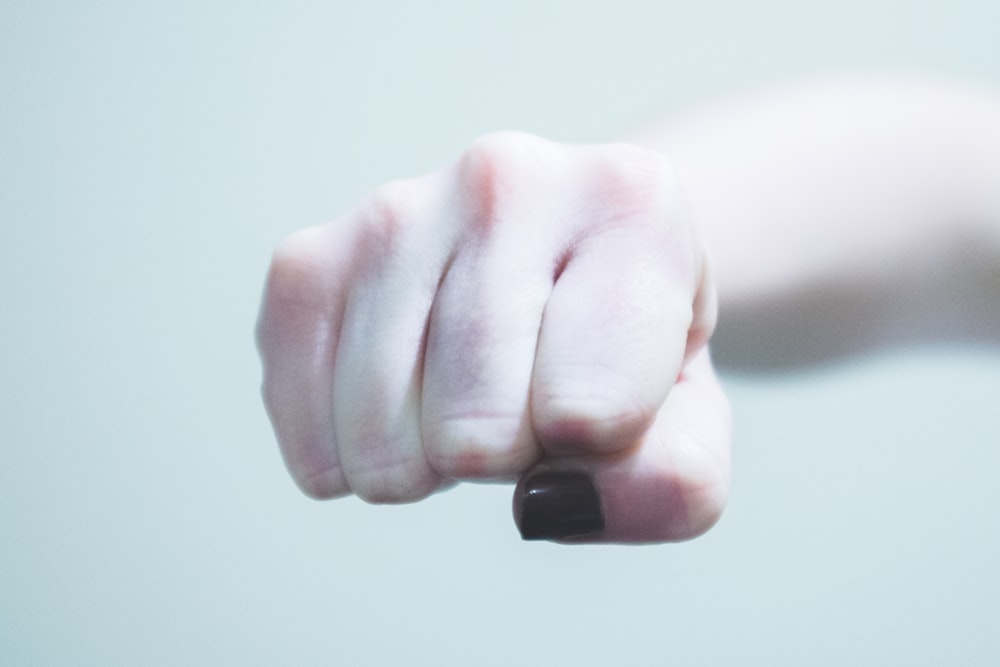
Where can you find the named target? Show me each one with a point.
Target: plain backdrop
(152, 153)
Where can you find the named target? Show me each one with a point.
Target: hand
(535, 311)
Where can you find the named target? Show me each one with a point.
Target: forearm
(845, 213)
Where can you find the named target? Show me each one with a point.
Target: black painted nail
(556, 505)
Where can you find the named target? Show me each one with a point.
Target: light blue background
(150, 156)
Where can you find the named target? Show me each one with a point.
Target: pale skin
(535, 306)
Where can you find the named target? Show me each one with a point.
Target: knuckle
(704, 489)
(633, 182)
(390, 209)
(385, 467)
(300, 270)
(310, 460)
(297, 288)
(394, 200)
(403, 481)
(294, 262)
(321, 484)
(490, 171)
(593, 415)
(401, 224)
(499, 152)
(698, 481)
(479, 447)
(706, 512)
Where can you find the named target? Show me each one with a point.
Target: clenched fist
(534, 311)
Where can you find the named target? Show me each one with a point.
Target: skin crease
(537, 306)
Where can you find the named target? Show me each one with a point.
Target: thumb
(671, 485)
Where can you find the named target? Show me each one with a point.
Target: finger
(671, 486)
(378, 370)
(487, 313)
(297, 339)
(612, 342)
(480, 351)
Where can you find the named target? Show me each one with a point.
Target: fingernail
(556, 505)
